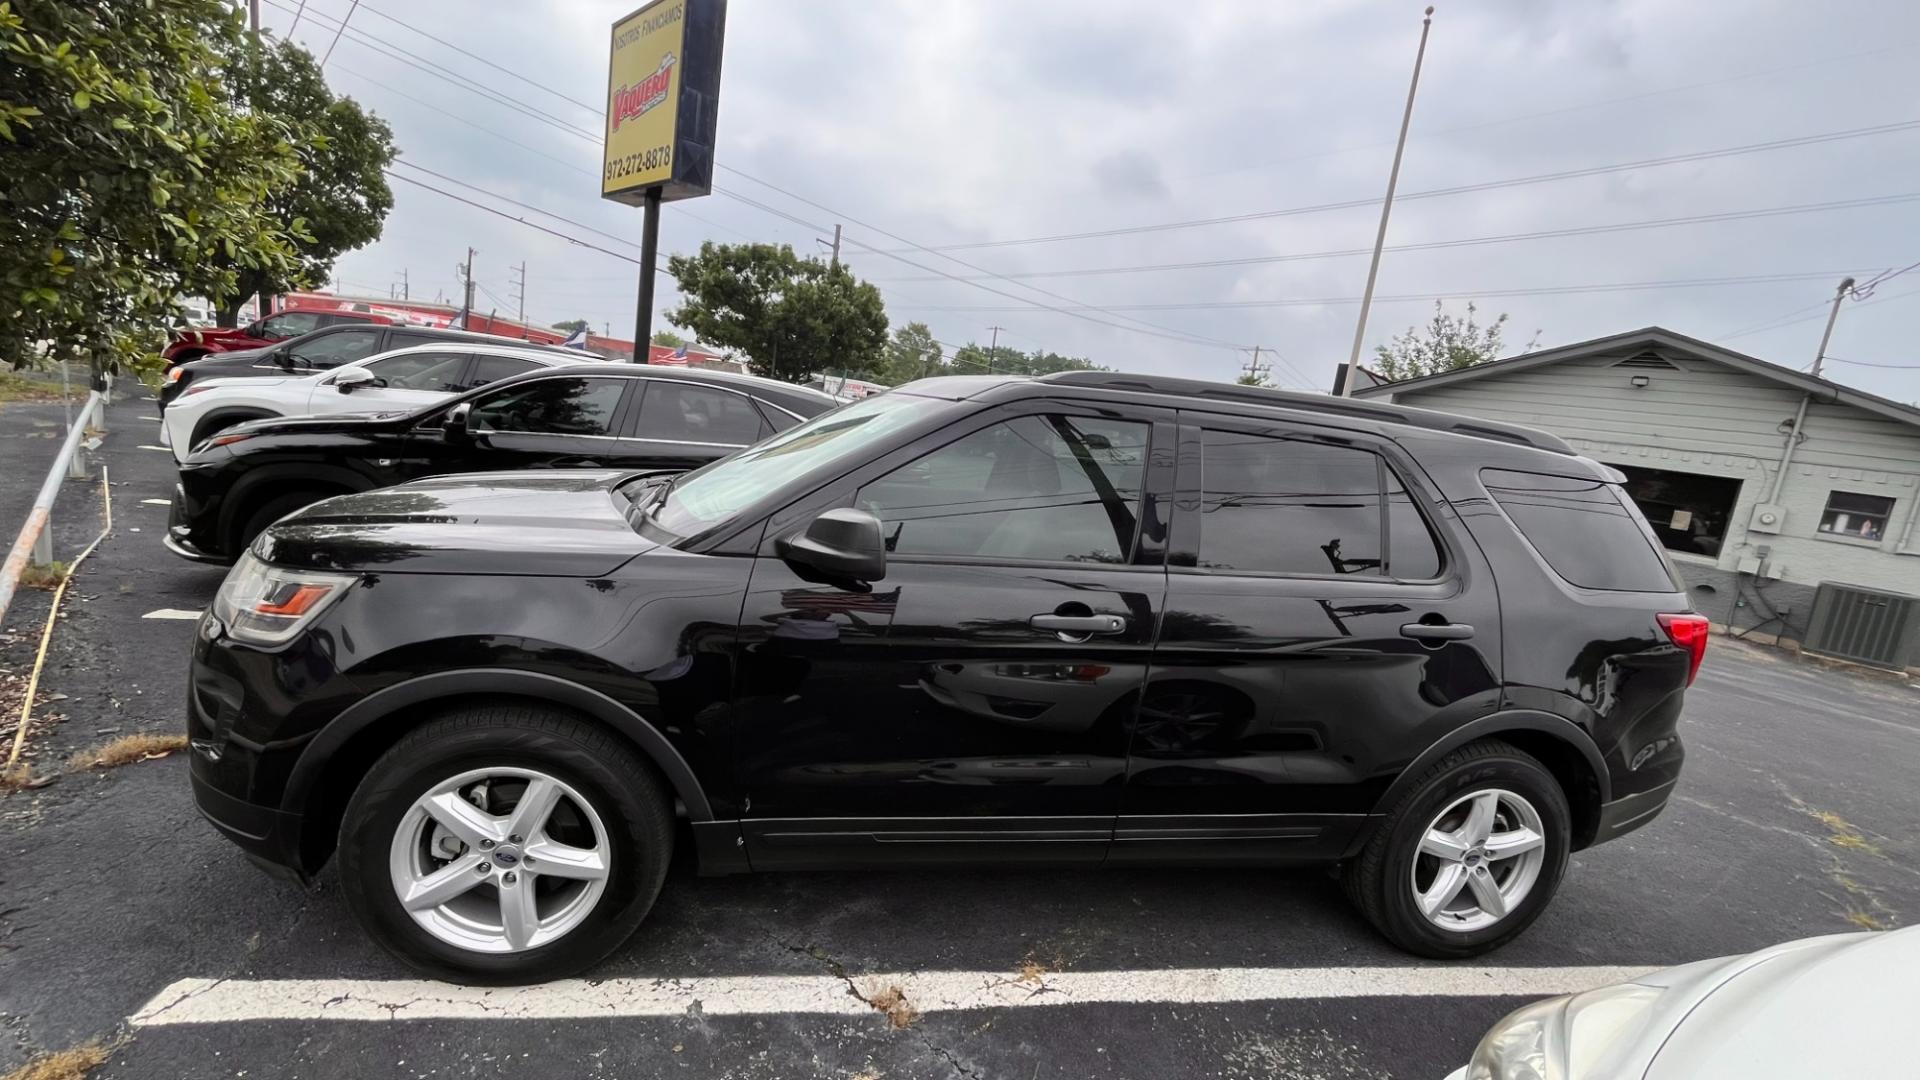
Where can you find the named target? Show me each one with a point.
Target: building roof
(1636, 340)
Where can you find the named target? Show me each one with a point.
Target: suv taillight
(1687, 632)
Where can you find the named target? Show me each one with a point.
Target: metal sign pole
(649, 254)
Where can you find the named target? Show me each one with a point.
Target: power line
(597, 110)
(1781, 325)
(515, 202)
(1868, 363)
(1470, 241)
(502, 213)
(1562, 111)
(1551, 290)
(1458, 189)
(364, 40)
(1155, 330)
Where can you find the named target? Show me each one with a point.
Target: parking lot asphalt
(1796, 815)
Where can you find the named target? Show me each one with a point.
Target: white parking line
(144, 416)
(162, 449)
(171, 613)
(155, 502)
(211, 1001)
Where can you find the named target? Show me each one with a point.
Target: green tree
(974, 359)
(912, 354)
(1447, 343)
(668, 338)
(789, 316)
(128, 178)
(572, 326)
(342, 193)
(1252, 379)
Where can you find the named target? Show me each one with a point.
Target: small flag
(676, 358)
(575, 340)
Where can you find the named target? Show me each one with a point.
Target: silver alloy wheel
(1478, 859)
(498, 882)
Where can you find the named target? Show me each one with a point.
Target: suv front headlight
(268, 605)
(1566, 1038)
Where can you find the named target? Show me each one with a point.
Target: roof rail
(1259, 395)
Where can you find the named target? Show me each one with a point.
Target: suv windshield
(710, 494)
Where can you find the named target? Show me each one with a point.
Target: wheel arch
(1559, 744)
(227, 415)
(273, 480)
(333, 763)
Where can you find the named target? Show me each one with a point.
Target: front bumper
(179, 537)
(270, 837)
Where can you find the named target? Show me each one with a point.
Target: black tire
(1379, 880)
(627, 794)
(271, 511)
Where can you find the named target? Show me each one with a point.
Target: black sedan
(632, 417)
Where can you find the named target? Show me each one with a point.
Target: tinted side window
(778, 419)
(487, 369)
(401, 339)
(1054, 488)
(551, 407)
(437, 372)
(335, 349)
(1585, 529)
(691, 413)
(288, 324)
(1412, 552)
(1287, 506)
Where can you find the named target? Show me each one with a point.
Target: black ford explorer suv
(1089, 618)
(251, 474)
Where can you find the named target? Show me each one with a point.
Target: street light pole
(1386, 210)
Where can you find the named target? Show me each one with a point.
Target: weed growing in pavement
(126, 750)
(20, 776)
(70, 1064)
(47, 575)
(893, 1002)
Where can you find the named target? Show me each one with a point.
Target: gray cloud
(953, 123)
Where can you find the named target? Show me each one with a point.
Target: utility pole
(253, 17)
(991, 349)
(403, 284)
(466, 303)
(835, 264)
(1820, 358)
(520, 296)
(1256, 369)
(1386, 210)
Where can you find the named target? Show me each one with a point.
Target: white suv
(397, 381)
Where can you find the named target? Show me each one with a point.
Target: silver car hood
(1836, 1006)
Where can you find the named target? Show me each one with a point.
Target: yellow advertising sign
(643, 97)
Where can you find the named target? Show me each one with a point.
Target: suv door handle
(1079, 624)
(1437, 632)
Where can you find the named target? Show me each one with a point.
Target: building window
(1863, 517)
(1689, 512)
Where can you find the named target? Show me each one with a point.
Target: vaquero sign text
(663, 97)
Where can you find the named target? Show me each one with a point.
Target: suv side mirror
(842, 546)
(352, 377)
(454, 427)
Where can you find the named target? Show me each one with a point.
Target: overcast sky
(970, 122)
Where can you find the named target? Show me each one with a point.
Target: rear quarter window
(1585, 529)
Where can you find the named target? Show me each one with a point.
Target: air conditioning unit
(1867, 626)
(1767, 518)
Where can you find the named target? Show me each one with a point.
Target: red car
(281, 325)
